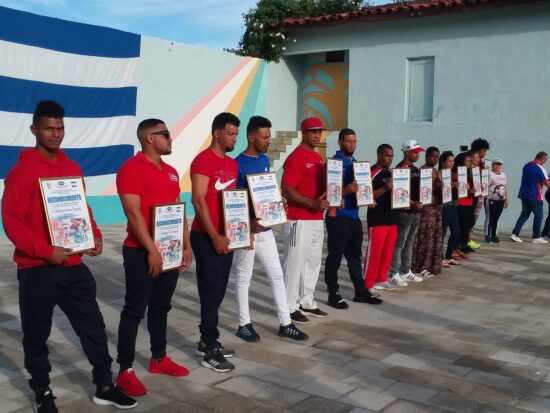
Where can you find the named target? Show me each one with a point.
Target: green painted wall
(491, 79)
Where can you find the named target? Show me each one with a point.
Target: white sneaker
(515, 238)
(539, 241)
(426, 274)
(396, 280)
(413, 277)
(373, 292)
(386, 285)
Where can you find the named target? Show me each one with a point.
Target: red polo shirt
(223, 175)
(304, 170)
(154, 186)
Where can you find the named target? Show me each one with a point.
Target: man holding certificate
(212, 171)
(143, 182)
(252, 163)
(345, 231)
(50, 275)
(304, 186)
(408, 220)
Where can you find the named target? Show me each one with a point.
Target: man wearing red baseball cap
(303, 184)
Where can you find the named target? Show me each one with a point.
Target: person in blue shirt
(533, 177)
(253, 161)
(345, 232)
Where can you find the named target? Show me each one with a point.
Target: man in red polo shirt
(304, 184)
(143, 182)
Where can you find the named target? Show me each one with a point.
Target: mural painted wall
(324, 90)
(108, 81)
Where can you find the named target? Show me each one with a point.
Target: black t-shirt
(415, 183)
(382, 214)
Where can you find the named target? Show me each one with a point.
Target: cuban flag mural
(91, 71)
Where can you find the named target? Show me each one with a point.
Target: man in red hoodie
(47, 275)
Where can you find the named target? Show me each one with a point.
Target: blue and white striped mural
(92, 71)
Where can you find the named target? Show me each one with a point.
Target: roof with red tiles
(401, 10)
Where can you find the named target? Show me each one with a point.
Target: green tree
(264, 38)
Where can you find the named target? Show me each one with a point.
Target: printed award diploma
(447, 191)
(462, 181)
(426, 186)
(67, 213)
(401, 192)
(266, 199)
(484, 182)
(335, 176)
(476, 179)
(361, 173)
(236, 218)
(168, 232)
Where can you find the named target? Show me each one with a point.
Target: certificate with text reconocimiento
(67, 213)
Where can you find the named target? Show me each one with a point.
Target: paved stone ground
(474, 339)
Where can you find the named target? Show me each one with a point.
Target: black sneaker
(315, 312)
(336, 301)
(495, 240)
(201, 350)
(467, 249)
(247, 333)
(45, 402)
(214, 359)
(299, 318)
(114, 397)
(291, 331)
(368, 299)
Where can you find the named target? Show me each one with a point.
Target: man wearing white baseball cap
(409, 220)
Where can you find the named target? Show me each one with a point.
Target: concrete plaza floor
(474, 339)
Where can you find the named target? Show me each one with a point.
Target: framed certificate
(335, 176)
(485, 182)
(236, 218)
(362, 175)
(401, 192)
(462, 181)
(266, 199)
(476, 179)
(67, 213)
(168, 233)
(426, 186)
(447, 190)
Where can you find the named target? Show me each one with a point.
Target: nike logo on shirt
(220, 187)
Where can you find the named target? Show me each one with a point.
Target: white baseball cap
(411, 145)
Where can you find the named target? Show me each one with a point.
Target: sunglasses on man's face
(165, 133)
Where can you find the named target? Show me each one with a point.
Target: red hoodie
(23, 213)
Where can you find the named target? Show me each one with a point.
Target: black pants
(345, 238)
(466, 220)
(143, 292)
(73, 289)
(212, 276)
(546, 229)
(493, 211)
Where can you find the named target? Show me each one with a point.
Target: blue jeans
(450, 220)
(527, 207)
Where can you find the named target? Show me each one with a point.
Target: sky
(215, 24)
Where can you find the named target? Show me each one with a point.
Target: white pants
(303, 248)
(265, 248)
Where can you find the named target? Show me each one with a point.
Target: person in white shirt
(496, 201)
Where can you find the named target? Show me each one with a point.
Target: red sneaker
(167, 366)
(128, 382)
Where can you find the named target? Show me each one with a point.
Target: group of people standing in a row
(404, 244)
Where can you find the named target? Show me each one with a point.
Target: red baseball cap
(311, 123)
